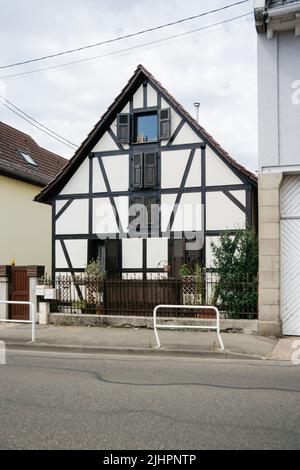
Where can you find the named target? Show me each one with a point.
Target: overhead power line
(37, 122)
(54, 67)
(126, 36)
(40, 126)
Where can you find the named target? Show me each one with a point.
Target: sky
(215, 66)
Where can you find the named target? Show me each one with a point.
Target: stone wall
(269, 254)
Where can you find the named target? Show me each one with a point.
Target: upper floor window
(140, 128)
(145, 128)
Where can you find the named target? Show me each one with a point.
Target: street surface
(76, 401)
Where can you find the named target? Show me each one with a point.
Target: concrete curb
(227, 354)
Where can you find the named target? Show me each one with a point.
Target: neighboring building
(25, 168)
(278, 25)
(146, 150)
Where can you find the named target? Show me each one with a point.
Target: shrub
(236, 265)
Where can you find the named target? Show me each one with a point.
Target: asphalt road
(67, 401)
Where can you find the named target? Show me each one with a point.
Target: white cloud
(2, 88)
(216, 67)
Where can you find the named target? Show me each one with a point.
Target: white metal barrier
(204, 327)
(32, 315)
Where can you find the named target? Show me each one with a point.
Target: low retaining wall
(238, 326)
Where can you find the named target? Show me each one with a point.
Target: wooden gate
(19, 291)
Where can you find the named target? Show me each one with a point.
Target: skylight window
(27, 157)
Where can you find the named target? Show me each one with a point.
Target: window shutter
(165, 123)
(113, 257)
(150, 170)
(136, 171)
(151, 203)
(136, 225)
(123, 128)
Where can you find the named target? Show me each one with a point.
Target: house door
(290, 255)
(19, 291)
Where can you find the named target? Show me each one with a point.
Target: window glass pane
(27, 158)
(146, 127)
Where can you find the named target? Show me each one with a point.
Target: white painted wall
(132, 253)
(278, 101)
(186, 134)
(240, 196)
(138, 98)
(117, 170)
(98, 181)
(194, 176)
(157, 250)
(104, 220)
(105, 144)
(166, 206)
(151, 96)
(122, 205)
(222, 213)
(173, 164)
(217, 172)
(77, 250)
(74, 219)
(79, 182)
(189, 213)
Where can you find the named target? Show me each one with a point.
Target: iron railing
(235, 297)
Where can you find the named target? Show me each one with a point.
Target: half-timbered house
(146, 152)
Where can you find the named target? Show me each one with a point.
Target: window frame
(140, 113)
(27, 157)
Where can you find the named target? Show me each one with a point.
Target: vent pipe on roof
(197, 106)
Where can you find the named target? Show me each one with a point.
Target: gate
(139, 297)
(19, 292)
(290, 255)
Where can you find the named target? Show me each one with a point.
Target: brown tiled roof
(140, 74)
(12, 164)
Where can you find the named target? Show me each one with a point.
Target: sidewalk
(134, 340)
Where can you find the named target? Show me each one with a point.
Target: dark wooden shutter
(150, 170)
(123, 128)
(113, 259)
(133, 225)
(152, 217)
(136, 171)
(165, 123)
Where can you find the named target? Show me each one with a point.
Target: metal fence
(83, 294)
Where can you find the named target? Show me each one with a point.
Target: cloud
(216, 67)
(2, 88)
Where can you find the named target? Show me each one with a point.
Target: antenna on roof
(197, 106)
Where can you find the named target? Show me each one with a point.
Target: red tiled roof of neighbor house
(12, 164)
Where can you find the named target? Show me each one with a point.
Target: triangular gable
(140, 75)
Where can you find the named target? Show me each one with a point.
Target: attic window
(27, 157)
(145, 127)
